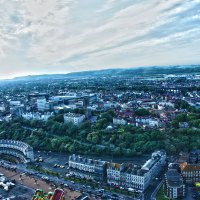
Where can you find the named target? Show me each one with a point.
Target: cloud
(71, 35)
(107, 6)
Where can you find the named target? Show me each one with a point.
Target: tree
(59, 118)
(117, 151)
(142, 112)
(175, 124)
(93, 138)
(101, 123)
(181, 117)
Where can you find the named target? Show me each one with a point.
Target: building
(74, 118)
(174, 185)
(119, 121)
(15, 103)
(87, 168)
(114, 173)
(37, 116)
(42, 104)
(2, 107)
(17, 110)
(133, 176)
(183, 125)
(146, 121)
(18, 149)
(190, 172)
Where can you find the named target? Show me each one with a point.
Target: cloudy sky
(61, 36)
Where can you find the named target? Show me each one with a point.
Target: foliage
(95, 139)
(142, 112)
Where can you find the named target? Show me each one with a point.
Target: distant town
(109, 134)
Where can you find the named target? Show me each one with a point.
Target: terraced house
(190, 172)
(87, 168)
(18, 149)
(138, 177)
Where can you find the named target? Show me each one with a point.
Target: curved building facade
(18, 149)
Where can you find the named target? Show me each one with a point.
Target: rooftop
(79, 159)
(189, 167)
(73, 115)
(173, 178)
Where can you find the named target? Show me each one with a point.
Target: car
(44, 178)
(13, 181)
(131, 190)
(194, 195)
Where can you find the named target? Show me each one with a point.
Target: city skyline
(44, 37)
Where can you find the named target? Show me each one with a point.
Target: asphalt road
(73, 186)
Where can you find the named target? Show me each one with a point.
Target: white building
(146, 121)
(2, 108)
(18, 149)
(133, 176)
(119, 121)
(164, 104)
(174, 185)
(15, 103)
(37, 116)
(74, 118)
(87, 168)
(42, 104)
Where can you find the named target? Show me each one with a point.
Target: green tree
(142, 112)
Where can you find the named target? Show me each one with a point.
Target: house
(190, 172)
(74, 118)
(174, 185)
(146, 121)
(119, 121)
(87, 168)
(133, 176)
(37, 116)
(183, 125)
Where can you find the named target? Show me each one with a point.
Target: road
(151, 191)
(60, 183)
(50, 159)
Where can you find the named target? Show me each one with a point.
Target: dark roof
(173, 178)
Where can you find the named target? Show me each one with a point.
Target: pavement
(26, 185)
(19, 192)
(189, 194)
(56, 182)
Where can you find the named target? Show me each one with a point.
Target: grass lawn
(160, 195)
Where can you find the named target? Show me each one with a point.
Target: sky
(62, 36)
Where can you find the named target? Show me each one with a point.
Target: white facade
(164, 104)
(118, 121)
(85, 167)
(2, 108)
(37, 116)
(133, 176)
(15, 103)
(17, 148)
(151, 122)
(42, 104)
(74, 118)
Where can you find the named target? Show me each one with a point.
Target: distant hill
(140, 71)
